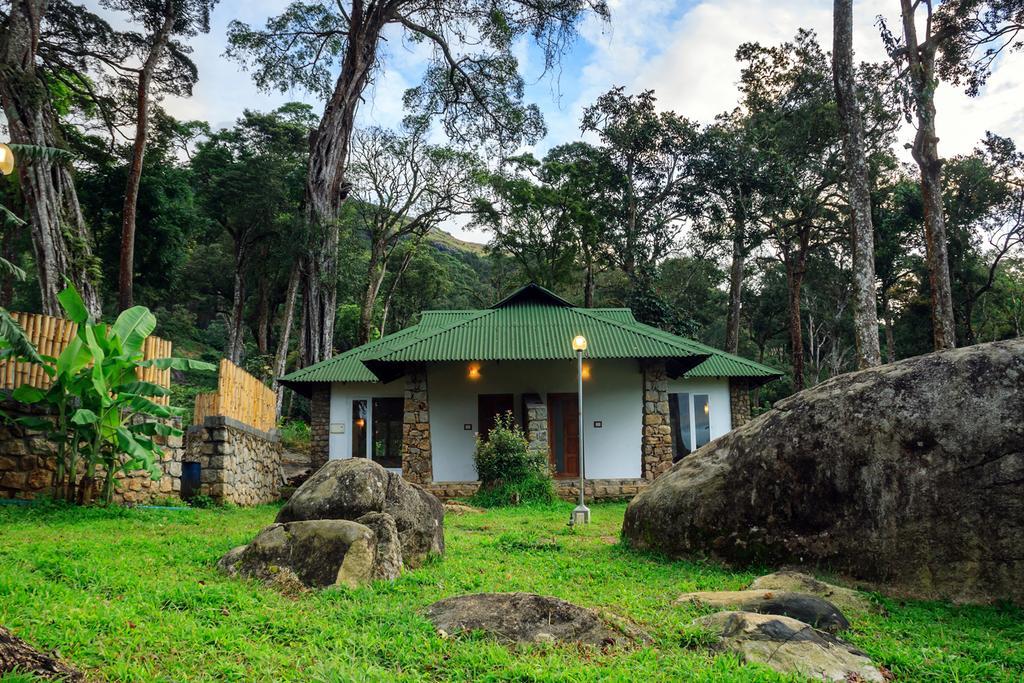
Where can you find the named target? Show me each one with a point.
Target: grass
(133, 595)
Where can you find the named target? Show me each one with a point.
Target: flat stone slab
(791, 647)
(810, 609)
(845, 599)
(527, 618)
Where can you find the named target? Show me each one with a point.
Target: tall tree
(471, 82)
(403, 188)
(652, 154)
(918, 53)
(865, 307)
(165, 63)
(731, 175)
(61, 241)
(250, 204)
(976, 33)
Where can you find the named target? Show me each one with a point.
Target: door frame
(550, 397)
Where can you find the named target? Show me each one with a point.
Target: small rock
(810, 609)
(452, 507)
(527, 618)
(790, 646)
(846, 599)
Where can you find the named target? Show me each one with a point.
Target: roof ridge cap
(433, 331)
(720, 352)
(589, 314)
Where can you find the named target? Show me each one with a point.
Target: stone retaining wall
(28, 461)
(594, 489)
(238, 464)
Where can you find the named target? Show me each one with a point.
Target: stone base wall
(28, 461)
(319, 426)
(593, 489)
(417, 463)
(657, 436)
(238, 463)
(739, 401)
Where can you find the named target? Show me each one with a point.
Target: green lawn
(134, 596)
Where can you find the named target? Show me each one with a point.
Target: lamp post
(6, 159)
(581, 513)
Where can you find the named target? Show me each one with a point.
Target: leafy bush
(510, 472)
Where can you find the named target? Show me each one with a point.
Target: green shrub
(294, 434)
(510, 472)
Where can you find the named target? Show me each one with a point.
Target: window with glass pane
(388, 414)
(679, 416)
(701, 420)
(359, 429)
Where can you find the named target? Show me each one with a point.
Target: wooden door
(489, 407)
(564, 434)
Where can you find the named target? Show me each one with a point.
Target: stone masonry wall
(657, 436)
(536, 422)
(417, 464)
(238, 463)
(739, 401)
(28, 461)
(319, 426)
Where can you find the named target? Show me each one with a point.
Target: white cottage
(417, 400)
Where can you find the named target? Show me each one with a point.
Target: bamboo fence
(51, 335)
(239, 396)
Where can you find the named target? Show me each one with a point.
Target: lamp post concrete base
(580, 515)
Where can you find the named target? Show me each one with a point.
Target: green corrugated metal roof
(536, 325)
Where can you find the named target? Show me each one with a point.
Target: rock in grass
(318, 553)
(908, 476)
(810, 609)
(17, 656)
(790, 647)
(846, 599)
(351, 488)
(389, 546)
(527, 618)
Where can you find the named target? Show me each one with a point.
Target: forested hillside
(249, 243)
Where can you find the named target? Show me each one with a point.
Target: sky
(682, 49)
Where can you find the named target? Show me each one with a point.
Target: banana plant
(105, 417)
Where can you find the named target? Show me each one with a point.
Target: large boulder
(351, 488)
(527, 618)
(909, 476)
(790, 647)
(314, 554)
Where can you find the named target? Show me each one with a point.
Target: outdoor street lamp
(6, 159)
(581, 513)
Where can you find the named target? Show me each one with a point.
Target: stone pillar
(657, 437)
(536, 419)
(417, 465)
(739, 401)
(319, 426)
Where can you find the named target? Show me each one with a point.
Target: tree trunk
(375, 272)
(732, 319)
(263, 318)
(61, 241)
(925, 151)
(890, 341)
(865, 312)
(126, 278)
(395, 281)
(236, 330)
(326, 188)
(281, 357)
(795, 267)
(589, 283)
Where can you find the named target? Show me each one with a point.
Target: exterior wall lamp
(6, 159)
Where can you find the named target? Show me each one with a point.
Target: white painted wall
(612, 395)
(717, 390)
(342, 395)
